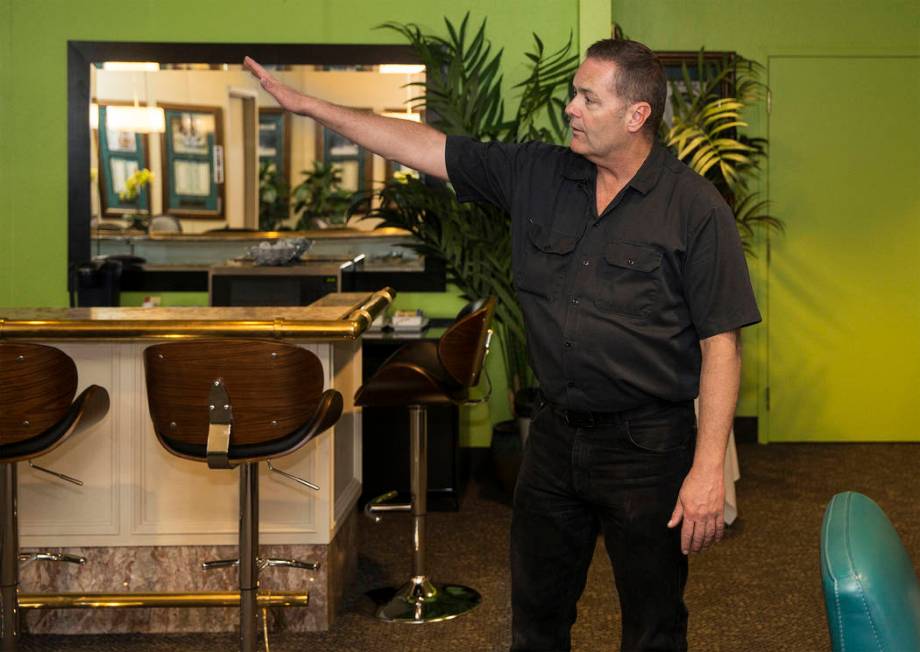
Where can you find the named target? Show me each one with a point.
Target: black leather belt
(578, 419)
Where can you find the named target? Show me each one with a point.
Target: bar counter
(145, 519)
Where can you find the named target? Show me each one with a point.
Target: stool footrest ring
(380, 504)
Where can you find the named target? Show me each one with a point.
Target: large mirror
(206, 147)
(180, 138)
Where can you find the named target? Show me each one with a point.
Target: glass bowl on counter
(284, 251)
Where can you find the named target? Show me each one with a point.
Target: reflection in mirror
(206, 146)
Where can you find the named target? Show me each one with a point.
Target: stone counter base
(168, 569)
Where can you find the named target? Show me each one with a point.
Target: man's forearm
(720, 378)
(411, 143)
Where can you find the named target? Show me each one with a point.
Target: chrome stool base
(421, 601)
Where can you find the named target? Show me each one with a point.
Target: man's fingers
(720, 528)
(253, 67)
(699, 536)
(710, 535)
(676, 515)
(686, 536)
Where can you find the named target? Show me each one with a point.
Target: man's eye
(588, 100)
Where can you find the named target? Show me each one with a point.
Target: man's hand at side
(701, 501)
(701, 507)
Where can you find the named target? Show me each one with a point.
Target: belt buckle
(579, 419)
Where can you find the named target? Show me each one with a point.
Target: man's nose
(570, 109)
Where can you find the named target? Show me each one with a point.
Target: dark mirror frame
(80, 54)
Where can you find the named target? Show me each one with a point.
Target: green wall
(789, 28)
(844, 351)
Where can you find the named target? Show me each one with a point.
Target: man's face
(596, 113)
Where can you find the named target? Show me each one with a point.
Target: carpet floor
(759, 590)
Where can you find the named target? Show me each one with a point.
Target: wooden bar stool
(234, 403)
(37, 412)
(420, 374)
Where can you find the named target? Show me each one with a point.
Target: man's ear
(638, 113)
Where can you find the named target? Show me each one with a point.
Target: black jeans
(621, 479)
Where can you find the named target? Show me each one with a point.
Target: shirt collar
(647, 175)
(578, 168)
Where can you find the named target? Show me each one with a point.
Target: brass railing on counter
(347, 328)
(140, 600)
(222, 236)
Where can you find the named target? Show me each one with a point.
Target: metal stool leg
(420, 600)
(9, 559)
(249, 550)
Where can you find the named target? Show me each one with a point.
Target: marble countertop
(340, 315)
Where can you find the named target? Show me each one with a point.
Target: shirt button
(586, 262)
(630, 261)
(575, 300)
(568, 345)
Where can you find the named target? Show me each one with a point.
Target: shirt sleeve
(717, 284)
(483, 172)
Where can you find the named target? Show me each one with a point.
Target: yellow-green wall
(760, 30)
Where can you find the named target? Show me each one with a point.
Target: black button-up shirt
(615, 305)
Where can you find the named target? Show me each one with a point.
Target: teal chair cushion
(871, 590)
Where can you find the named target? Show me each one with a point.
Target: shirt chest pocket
(628, 279)
(546, 257)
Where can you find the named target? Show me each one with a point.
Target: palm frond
(751, 215)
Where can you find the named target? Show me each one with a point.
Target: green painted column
(594, 22)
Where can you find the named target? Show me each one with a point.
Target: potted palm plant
(462, 96)
(319, 200)
(274, 197)
(707, 132)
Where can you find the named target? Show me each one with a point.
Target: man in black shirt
(632, 279)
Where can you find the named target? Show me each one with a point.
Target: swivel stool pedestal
(37, 412)
(235, 403)
(420, 374)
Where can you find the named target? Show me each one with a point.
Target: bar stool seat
(37, 413)
(232, 404)
(420, 374)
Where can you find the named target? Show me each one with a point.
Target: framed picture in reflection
(354, 163)
(696, 65)
(275, 139)
(192, 156)
(121, 153)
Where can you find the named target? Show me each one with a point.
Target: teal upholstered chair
(871, 591)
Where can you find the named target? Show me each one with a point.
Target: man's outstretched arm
(415, 145)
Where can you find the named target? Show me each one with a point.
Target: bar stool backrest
(273, 388)
(37, 387)
(462, 347)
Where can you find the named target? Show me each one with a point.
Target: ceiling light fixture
(401, 69)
